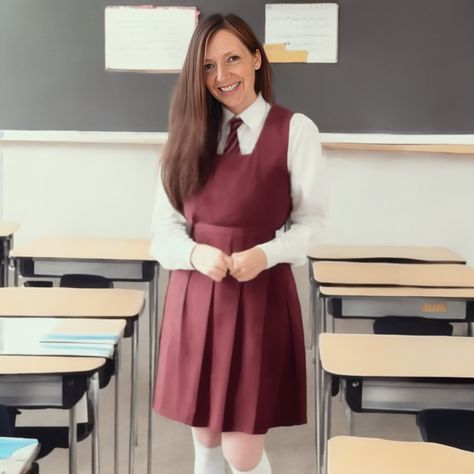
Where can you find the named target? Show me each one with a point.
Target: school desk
(69, 337)
(450, 304)
(349, 274)
(63, 382)
(17, 454)
(393, 274)
(382, 276)
(362, 302)
(357, 455)
(402, 254)
(7, 229)
(324, 273)
(115, 259)
(396, 373)
(385, 254)
(107, 303)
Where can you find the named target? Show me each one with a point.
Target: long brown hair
(195, 115)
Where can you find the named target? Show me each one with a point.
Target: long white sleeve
(307, 167)
(171, 244)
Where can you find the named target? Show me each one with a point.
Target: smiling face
(229, 71)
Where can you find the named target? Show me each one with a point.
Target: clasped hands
(214, 263)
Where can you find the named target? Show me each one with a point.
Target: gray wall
(404, 66)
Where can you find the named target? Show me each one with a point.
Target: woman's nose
(222, 72)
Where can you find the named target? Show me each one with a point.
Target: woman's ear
(258, 59)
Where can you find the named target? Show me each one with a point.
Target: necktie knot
(232, 144)
(235, 123)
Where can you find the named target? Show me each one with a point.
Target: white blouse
(171, 244)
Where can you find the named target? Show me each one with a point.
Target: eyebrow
(229, 53)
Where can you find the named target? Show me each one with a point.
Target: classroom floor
(290, 450)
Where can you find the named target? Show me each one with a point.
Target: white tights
(211, 460)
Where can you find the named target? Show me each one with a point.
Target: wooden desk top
(385, 253)
(393, 274)
(370, 355)
(7, 229)
(355, 455)
(71, 302)
(404, 147)
(397, 292)
(31, 365)
(69, 248)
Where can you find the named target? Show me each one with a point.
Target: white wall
(403, 198)
(79, 189)
(107, 191)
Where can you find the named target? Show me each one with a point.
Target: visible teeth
(230, 88)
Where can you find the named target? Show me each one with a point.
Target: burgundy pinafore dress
(232, 354)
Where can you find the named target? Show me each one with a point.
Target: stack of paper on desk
(74, 349)
(91, 331)
(49, 336)
(17, 454)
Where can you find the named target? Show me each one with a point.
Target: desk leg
(93, 395)
(312, 312)
(72, 441)
(134, 365)
(153, 306)
(327, 383)
(16, 276)
(317, 374)
(133, 398)
(347, 409)
(116, 408)
(4, 263)
(325, 390)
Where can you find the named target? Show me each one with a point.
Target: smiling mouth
(230, 89)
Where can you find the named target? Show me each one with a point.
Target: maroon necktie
(232, 144)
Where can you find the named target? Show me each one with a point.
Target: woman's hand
(210, 261)
(247, 265)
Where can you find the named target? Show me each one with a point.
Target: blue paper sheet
(75, 337)
(8, 446)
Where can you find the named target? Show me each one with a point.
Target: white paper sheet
(21, 334)
(310, 27)
(148, 38)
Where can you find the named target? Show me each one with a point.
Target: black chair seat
(34, 469)
(38, 284)
(412, 326)
(51, 437)
(450, 427)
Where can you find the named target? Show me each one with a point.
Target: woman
(232, 359)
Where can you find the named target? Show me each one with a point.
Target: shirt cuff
(278, 251)
(175, 256)
(187, 251)
(273, 252)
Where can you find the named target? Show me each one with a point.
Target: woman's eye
(234, 58)
(208, 67)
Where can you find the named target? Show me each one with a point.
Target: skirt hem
(238, 429)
